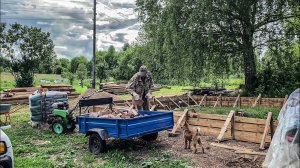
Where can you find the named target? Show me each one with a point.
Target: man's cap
(143, 68)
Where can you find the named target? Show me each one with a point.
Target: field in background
(7, 82)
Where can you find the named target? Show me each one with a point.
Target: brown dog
(193, 136)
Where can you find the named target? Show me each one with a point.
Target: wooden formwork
(245, 129)
(243, 101)
(219, 101)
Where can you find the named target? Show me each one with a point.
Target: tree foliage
(81, 73)
(76, 61)
(189, 39)
(26, 48)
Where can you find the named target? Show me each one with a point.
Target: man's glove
(136, 96)
(148, 96)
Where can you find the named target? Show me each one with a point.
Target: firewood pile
(115, 113)
(120, 88)
(20, 95)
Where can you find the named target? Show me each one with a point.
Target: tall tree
(26, 48)
(81, 73)
(191, 38)
(76, 61)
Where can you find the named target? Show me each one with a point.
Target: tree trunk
(249, 65)
(81, 83)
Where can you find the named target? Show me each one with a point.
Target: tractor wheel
(96, 144)
(58, 126)
(72, 125)
(150, 137)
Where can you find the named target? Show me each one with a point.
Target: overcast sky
(70, 22)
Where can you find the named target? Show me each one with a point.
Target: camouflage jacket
(137, 85)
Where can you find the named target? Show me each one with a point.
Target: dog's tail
(198, 131)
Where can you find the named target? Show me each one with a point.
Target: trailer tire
(150, 137)
(96, 144)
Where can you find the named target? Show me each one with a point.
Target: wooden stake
(174, 102)
(182, 117)
(224, 128)
(183, 101)
(258, 97)
(229, 147)
(202, 100)
(232, 125)
(193, 100)
(266, 131)
(236, 101)
(162, 105)
(153, 108)
(285, 99)
(216, 103)
(251, 153)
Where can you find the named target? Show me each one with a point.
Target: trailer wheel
(96, 144)
(150, 137)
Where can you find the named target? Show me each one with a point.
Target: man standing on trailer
(139, 86)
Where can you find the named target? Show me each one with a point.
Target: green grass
(34, 148)
(256, 112)
(174, 90)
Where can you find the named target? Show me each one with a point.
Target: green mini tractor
(61, 119)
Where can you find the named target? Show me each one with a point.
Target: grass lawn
(34, 148)
(256, 112)
(174, 90)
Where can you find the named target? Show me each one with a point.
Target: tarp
(284, 149)
(39, 103)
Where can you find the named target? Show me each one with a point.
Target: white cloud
(70, 22)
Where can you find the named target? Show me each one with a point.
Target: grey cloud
(119, 37)
(70, 27)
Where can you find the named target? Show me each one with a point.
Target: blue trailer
(146, 126)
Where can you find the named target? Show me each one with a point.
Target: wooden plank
(219, 124)
(224, 128)
(255, 103)
(183, 116)
(239, 135)
(266, 131)
(174, 102)
(202, 99)
(244, 120)
(153, 108)
(236, 101)
(233, 125)
(251, 153)
(183, 101)
(193, 100)
(230, 147)
(162, 105)
(285, 99)
(216, 103)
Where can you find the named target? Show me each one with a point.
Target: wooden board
(183, 101)
(216, 103)
(257, 99)
(174, 102)
(202, 99)
(266, 131)
(182, 117)
(224, 128)
(193, 100)
(236, 101)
